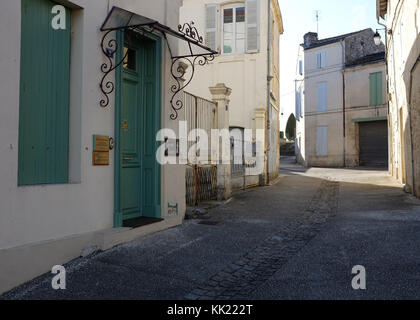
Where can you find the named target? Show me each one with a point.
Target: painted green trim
(375, 89)
(118, 217)
(118, 222)
(159, 68)
(370, 119)
(43, 151)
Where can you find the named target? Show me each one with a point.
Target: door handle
(127, 159)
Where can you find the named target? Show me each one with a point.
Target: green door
(139, 122)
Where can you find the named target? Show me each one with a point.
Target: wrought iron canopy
(191, 50)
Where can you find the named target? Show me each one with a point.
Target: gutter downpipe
(269, 78)
(344, 104)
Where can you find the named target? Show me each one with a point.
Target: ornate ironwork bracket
(180, 65)
(109, 49)
(186, 32)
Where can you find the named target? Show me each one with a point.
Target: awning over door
(190, 49)
(120, 19)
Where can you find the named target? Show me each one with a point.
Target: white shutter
(322, 141)
(211, 26)
(321, 60)
(252, 26)
(322, 97)
(299, 104)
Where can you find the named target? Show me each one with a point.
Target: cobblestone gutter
(244, 276)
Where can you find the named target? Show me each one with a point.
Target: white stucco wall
(38, 213)
(245, 74)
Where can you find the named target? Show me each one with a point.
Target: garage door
(373, 143)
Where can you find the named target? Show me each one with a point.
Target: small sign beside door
(100, 151)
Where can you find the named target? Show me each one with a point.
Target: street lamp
(377, 37)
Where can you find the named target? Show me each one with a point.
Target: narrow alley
(296, 239)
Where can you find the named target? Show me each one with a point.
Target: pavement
(296, 239)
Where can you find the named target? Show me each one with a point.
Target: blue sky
(337, 17)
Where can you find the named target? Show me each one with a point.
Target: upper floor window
(322, 97)
(234, 30)
(321, 60)
(300, 67)
(376, 98)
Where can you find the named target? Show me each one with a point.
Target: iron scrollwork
(109, 49)
(178, 71)
(190, 31)
(180, 65)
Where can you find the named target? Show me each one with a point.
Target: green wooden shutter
(44, 96)
(376, 98)
(379, 100)
(372, 86)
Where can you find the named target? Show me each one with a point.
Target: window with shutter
(322, 141)
(322, 97)
(299, 104)
(211, 26)
(321, 60)
(376, 93)
(44, 96)
(233, 37)
(252, 26)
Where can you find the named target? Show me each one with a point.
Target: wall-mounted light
(377, 38)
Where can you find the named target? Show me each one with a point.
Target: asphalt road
(297, 239)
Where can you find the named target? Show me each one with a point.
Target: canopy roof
(191, 44)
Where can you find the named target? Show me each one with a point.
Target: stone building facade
(402, 22)
(341, 101)
(241, 32)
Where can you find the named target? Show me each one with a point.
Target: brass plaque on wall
(101, 158)
(101, 143)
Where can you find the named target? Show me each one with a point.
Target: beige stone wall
(332, 117)
(342, 151)
(403, 21)
(357, 105)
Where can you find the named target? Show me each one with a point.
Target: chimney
(309, 39)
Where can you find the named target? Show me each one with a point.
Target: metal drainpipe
(344, 104)
(268, 90)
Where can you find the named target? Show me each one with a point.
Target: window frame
(234, 7)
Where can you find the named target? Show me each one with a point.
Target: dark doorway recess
(373, 142)
(140, 222)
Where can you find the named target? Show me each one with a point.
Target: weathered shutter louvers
(211, 26)
(252, 26)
